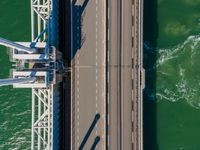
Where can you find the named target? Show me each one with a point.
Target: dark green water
(172, 63)
(15, 104)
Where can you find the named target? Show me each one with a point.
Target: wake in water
(177, 72)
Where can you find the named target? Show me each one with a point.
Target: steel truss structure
(40, 13)
(42, 118)
(42, 99)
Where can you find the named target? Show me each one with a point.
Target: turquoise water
(15, 104)
(172, 63)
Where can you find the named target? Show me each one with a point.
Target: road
(88, 73)
(125, 67)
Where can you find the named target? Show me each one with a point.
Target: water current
(15, 104)
(172, 63)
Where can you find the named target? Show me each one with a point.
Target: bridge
(97, 68)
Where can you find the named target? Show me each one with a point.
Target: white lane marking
(96, 61)
(78, 111)
(78, 96)
(108, 34)
(77, 103)
(96, 90)
(78, 83)
(108, 13)
(78, 132)
(78, 76)
(103, 102)
(78, 118)
(96, 104)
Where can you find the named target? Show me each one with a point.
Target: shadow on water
(77, 17)
(150, 43)
(65, 86)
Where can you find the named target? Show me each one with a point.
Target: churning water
(172, 63)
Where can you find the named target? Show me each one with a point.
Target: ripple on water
(178, 76)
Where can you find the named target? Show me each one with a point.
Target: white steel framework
(42, 99)
(40, 13)
(42, 138)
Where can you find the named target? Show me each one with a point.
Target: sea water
(172, 63)
(15, 104)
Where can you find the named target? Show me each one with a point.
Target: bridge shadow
(91, 128)
(150, 55)
(96, 141)
(77, 33)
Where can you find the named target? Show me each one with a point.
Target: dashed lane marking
(96, 62)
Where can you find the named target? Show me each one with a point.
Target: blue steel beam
(17, 46)
(4, 82)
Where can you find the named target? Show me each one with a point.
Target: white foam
(166, 54)
(184, 88)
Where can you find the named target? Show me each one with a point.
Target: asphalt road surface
(125, 66)
(125, 80)
(88, 73)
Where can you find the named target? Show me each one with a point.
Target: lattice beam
(42, 100)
